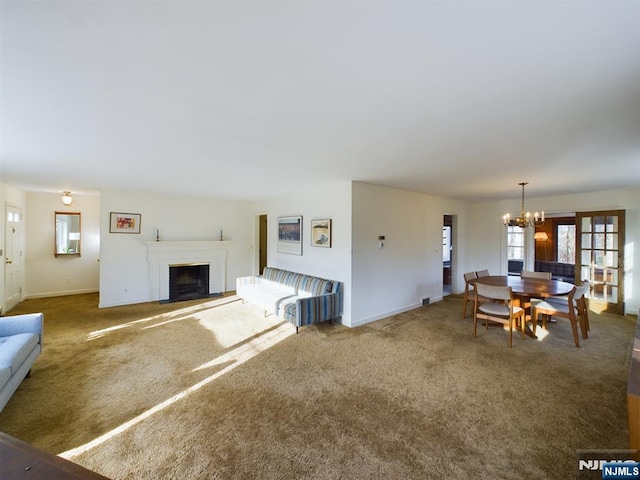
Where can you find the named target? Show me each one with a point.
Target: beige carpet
(212, 389)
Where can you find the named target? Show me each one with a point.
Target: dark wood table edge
(20, 460)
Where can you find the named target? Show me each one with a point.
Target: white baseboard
(380, 316)
(60, 294)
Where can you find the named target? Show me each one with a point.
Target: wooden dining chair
(482, 273)
(583, 302)
(574, 310)
(535, 275)
(540, 275)
(498, 308)
(469, 292)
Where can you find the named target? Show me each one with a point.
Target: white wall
(124, 269)
(46, 274)
(334, 202)
(396, 277)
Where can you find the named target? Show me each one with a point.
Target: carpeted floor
(213, 389)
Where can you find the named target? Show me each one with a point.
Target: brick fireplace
(163, 255)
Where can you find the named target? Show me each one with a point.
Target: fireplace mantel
(163, 254)
(186, 245)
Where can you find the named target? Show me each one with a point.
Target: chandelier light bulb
(524, 220)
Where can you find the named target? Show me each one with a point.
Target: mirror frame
(55, 235)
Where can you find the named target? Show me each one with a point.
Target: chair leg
(583, 327)
(586, 318)
(468, 300)
(585, 313)
(475, 324)
(544, 321)
(464, 306)
(534, 325)
(511, 321)
(574, 328)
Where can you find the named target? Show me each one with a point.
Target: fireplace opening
(188, 282)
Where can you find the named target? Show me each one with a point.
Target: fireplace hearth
(188, 282)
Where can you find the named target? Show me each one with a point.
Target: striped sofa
(298, 298)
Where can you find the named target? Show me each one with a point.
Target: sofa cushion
(314, 286)
(15, 349)
(516, 266)
(276, 276)
(559, 271)
(265, 296)
(5, 375)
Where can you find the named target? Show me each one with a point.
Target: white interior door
(13, 256)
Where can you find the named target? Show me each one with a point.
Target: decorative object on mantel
(157, 234)
(290, 235)
(524, 220)
(67, 199)
(321, 233)
(221, 235)
(125, 222)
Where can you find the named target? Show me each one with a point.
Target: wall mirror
(67, 234)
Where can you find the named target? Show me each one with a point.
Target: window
(566, 244)
(515, 243)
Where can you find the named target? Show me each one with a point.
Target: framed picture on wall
(321, 233)
(290, 235)
(125, 222)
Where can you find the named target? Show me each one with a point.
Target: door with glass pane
(13, 256)
(600, 255)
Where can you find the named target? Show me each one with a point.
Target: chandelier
(525, 219)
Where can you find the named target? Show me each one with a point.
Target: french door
(600, 258)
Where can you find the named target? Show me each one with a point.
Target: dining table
(524, 289)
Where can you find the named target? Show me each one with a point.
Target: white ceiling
(256, 99)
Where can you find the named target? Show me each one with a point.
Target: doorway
(447, 254)
(262, 244)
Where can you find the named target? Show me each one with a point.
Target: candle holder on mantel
(221, 235)
(157, 234)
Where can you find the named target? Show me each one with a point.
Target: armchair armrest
(27, 323)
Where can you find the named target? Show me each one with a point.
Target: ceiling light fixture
(67, 198)
(525, 219)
